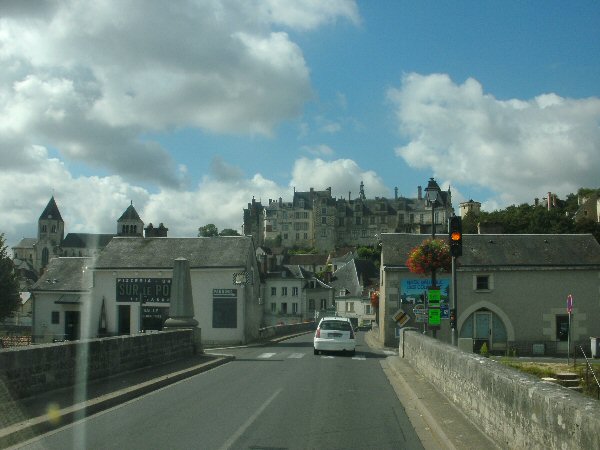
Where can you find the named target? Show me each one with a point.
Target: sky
(190, 109)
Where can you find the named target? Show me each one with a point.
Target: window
(44, 228)
(311, 304)
(341, 221)
(53, 229)
(284, 308)
(323, 303)
(273, 291)
(367, 309)
(323, 220)
(305, 235)
(420, 218)
(358, 220)
(294, 308)
(224, 308)
(324, 232)
(324, 210)
(363, 233)
(482, 283)
(562, 328)
(273, 307)
(55, 317)
(284, 290)
(294, 291)
(349, 306)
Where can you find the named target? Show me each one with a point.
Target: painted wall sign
(153, 290)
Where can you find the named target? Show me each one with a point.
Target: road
(270, 397)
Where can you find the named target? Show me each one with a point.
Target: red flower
(430, 254)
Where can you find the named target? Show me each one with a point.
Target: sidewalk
(438, 423)
(25, 418)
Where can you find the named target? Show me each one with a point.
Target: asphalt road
(270, 397)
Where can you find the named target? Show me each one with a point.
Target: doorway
(124, 319)
(482, 330)
(72, 325)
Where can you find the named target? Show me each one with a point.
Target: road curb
(19, 432)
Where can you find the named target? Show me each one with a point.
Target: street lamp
(432, 195)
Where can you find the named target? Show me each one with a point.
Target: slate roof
(159, 253)
(26, 243)
(51, 211)
(551, 250)
(65, 274)
(129, 214)
(346, 277)
(307, 259)
(87, 240)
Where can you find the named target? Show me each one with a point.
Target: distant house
(511, 290)
(352, 285)
(293, 294)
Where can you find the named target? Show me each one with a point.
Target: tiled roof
(137, 252)
(553, 250)
(65, 274)
(346, 278)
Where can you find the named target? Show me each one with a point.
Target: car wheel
(315, 351)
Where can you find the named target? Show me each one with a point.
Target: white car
(334, 334)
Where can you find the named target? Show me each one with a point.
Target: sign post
(570, 311)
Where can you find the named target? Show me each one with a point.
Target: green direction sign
(434, 316)
(434, 296)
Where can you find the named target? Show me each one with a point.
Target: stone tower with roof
(50, 235)
(130, 224)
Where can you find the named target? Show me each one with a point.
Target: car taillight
(318, 333)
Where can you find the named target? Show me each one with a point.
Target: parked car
(334, 334)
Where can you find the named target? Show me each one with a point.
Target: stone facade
(315, 219)
(511, 291)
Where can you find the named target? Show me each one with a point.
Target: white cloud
(88, 78)
(342, 175)
(319, 150)
(518, 148)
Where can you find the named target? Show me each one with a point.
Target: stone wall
(516, 410)
(285, 330)
(26, 371)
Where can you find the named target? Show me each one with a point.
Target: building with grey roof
(59, 298)
(511, 290)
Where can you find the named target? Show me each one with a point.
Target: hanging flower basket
(375, 299)
(430, 254)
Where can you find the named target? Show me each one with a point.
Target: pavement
(438, 423)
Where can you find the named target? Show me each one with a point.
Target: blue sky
(191, 109)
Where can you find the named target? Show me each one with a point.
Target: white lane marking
(235, 436)
(267, 355)
(328, 357)
(297, 355)
(389, 352)
(359, 358)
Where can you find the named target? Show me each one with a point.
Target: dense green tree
(9, 283)
(228, 232)
(208, 230)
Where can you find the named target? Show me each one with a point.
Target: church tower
(51, 233)
(130, 224)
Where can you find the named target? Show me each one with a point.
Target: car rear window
(336, 325)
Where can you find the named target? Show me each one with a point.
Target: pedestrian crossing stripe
(266, 355)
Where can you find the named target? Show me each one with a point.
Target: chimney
(396, 193)
(549, 200)
(419, 193)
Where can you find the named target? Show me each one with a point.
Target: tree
(228, 232)
(9, 283)
(208, 230)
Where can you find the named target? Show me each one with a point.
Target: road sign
(434, 317)
(434, 296)
(445, 311)
(569, 303)
(401, 317)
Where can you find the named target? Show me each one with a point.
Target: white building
(127, 289)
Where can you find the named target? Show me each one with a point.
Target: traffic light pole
(454, 307)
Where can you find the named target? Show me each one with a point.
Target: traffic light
(455, 235)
